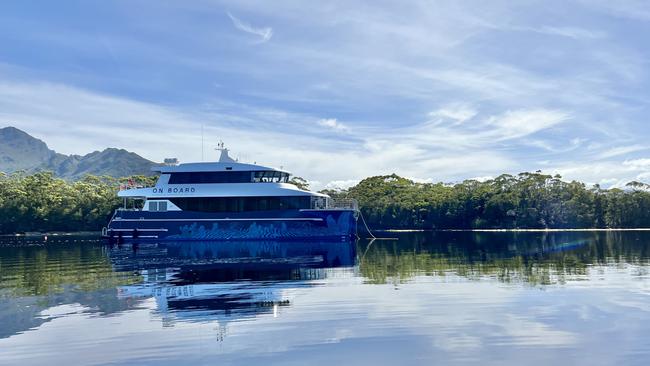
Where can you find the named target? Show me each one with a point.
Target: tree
(300, 182)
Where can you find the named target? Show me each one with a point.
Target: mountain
(20, 151)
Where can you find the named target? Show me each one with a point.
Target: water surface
(427, 298)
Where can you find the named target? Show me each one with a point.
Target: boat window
(162, 206)
(153, 206)
(240, 204)
(228, 177)
(210, 177)
(270, 177)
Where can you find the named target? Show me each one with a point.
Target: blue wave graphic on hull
(343, 226)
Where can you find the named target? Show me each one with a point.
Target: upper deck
(218, 166)
(225, 164)
(224, 178)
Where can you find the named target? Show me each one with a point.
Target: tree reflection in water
(533, 258)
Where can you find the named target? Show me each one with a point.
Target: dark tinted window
(210, 177)
(228, 177)
(239, 204)
(270, 177)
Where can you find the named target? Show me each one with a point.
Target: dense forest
(42, 202)
(528, 200)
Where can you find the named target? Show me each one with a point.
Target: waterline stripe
(138, 229)
(261, 219)
(141, 236)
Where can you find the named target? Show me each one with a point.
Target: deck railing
(343, 203)
(126, 187)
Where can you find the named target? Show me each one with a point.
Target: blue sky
(338, 91)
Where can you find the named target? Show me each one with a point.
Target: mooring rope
(366, 225)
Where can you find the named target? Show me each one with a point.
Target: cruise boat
(229, 200)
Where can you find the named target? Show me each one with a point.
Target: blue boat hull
(258, 225)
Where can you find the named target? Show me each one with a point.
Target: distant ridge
(21, 151)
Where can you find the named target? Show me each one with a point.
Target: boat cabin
(223, 186)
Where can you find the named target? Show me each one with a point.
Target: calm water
(452, 298)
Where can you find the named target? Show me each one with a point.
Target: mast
(224, 158)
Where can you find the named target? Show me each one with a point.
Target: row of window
(240, 204)
(228, 177)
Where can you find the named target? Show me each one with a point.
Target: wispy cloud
(638, 163)
(465, 128)
(572, 32)
(520, 123)
(264, 33)
(622, 150)
(458, 113)
(333, 124)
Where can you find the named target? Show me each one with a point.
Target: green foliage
(42, 202)
(528, 200)
(300, 182)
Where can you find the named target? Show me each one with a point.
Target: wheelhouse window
(228, 177)
(209, 177)
(270, 177)
(240, 204)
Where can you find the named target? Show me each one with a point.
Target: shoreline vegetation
(532, 201)
(43, 203)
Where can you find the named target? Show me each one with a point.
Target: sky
(341, 90)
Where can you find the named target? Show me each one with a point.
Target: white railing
(126, 187)
(343, 203)
(327, 203)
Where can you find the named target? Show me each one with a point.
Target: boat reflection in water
(227, 281)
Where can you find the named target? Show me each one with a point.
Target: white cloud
(608, 173)
(520, 123)
(264, 33)
(485, 131)
(482, 179)
(637, 163)
(341, 184)
(458, 113)
(333, 123)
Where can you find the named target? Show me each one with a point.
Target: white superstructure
(225, 178)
